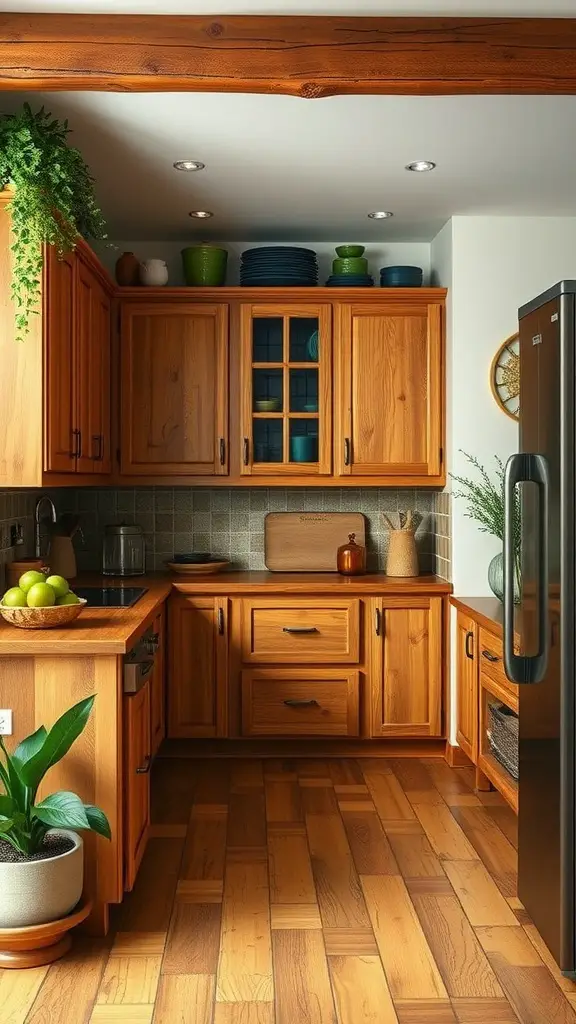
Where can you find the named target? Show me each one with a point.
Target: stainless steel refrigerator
(544, 670)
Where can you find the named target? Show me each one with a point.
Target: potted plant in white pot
(41, 853)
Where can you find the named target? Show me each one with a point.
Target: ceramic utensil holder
(62, 557)
(402, 559)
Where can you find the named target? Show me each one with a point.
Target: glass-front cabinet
(286, 390)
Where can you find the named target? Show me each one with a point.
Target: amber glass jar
(351, 558)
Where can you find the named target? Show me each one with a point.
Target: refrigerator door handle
(524, 468)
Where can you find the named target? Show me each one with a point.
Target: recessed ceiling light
(188, 165)
(421, 165)
(201, 214)
(380, 214)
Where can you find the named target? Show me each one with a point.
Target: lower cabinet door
(197, 666)
(137, 760)
(406, 666)
(158, 689)
(300, 702)
(467, 686)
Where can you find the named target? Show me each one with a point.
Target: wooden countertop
(97, 630)
(114, 630)
(308, 583)
(487, 611)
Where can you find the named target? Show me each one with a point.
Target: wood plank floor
(312, 892)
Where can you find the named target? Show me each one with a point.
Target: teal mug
(304, 448)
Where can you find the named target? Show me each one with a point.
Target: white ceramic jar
(153, 273)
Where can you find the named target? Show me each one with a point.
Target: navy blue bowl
(192, 558)
(401, 277)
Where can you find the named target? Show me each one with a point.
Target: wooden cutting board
(308, 541)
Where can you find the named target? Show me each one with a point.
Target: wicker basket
(502, 733)
(43, 618)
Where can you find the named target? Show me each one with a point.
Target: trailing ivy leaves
(23, 822)
(53, 201)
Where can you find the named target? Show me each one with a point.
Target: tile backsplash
(230, 521)
(226, 521)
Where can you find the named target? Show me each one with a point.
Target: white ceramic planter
(153, 273)
(38, 891)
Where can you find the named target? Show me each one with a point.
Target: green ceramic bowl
(204, 265)
(350, 250)
(350, 266)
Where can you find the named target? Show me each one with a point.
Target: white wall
(378, 255)
(498, 263)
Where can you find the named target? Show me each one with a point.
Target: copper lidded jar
(351, 558)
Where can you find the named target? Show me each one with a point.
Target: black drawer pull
(489, 656)
(470, 645)
(293, 703)
(145, 768)
(299, 629)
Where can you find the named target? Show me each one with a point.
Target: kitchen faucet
(37, 521)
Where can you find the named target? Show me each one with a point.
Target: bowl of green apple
(40, 602)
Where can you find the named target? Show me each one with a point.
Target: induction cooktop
(110, 597)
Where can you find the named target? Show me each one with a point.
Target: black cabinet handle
(145, 768)
(222, 444)
(246, 449)
(489, 656)
(77, 445)
(79, 456)
(221, 622)
(378, 622)
(470, 645)
(293, 703)
(299, 629)
(99, 440)
(346, 451)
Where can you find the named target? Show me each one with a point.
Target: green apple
(30, 578)
(14, 598)
(68, 598)
(59, 585)
(41, 595)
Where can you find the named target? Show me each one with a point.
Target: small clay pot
(127, 270)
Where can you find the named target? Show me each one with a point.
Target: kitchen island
(278, 661)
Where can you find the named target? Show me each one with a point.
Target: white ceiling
(281, 167)
(473, 8)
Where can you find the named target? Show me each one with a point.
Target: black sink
(110, 597)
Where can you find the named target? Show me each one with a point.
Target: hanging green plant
(53, 202)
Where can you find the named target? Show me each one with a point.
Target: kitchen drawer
(301, 631)
(300, 702)
(491, 660)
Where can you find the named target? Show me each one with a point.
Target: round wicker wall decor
(505, 376)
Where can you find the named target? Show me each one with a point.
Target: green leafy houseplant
(53, 201)
(486, 505)
(23, 822)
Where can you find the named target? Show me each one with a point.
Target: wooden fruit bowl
(42, 618)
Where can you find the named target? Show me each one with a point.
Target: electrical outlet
(5, 722)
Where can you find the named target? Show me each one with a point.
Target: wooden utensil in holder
(402, 559)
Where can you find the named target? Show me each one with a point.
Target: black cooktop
(110, 597)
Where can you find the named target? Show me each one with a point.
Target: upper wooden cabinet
(55, 384)
(406, 666)
(174, 389)
(389, 388)
(286, 390)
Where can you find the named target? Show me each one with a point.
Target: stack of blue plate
(350, 281)
(278, 266)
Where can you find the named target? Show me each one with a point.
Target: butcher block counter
(96, 630)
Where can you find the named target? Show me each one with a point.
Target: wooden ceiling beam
(309, 57)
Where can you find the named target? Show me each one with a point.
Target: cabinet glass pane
(303, 440)
(304, 390)
(267, 390)
(267, 339)
(304, 339)
(268, 436)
